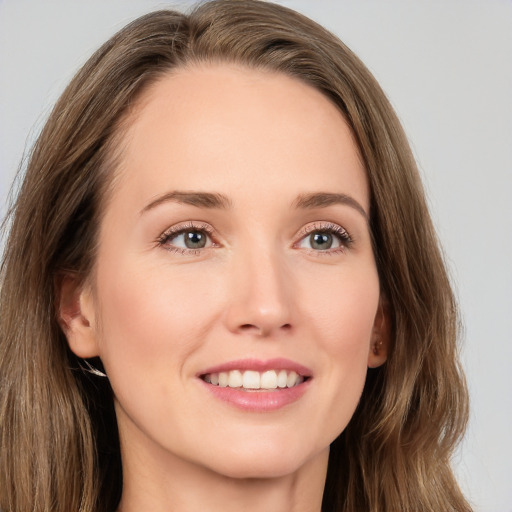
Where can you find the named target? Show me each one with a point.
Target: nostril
(263, 330)
(249, 327)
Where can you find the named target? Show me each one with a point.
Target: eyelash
(345, 239)
(340, 233)
(174, 231)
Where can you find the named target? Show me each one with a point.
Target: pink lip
(258, 401)
(259, 366)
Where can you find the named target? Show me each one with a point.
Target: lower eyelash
(175, 231)
(345, 239)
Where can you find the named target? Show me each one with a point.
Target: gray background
(446, 66)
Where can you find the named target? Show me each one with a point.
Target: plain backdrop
(447, 69)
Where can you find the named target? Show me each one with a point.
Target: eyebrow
(213, 200)
(325, 199)
(199, 199)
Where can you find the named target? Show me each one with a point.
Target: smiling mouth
(250, 380)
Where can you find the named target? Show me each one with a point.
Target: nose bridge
(261, 291)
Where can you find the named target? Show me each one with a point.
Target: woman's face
(234, 251)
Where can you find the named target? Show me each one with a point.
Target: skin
(157, 314)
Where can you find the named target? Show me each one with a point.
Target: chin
(261, 463)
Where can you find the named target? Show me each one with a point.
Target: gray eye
(320, 241)
(194, 239)
(189, 239)
(325, 239)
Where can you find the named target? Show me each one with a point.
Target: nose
(261, 295)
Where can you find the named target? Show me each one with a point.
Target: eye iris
(321, 241)
(195, 239)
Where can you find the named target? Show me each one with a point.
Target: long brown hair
(59, 449)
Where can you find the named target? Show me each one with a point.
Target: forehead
(232, 129)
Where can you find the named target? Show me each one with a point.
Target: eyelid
(346, 240)
(343, 235)
(183, 227)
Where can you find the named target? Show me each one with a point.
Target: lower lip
(258, 401)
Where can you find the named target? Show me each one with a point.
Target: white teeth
(269, 380)
(250, 379)
(235, 379)
(223, 379)
(282, 377)
(292, 379)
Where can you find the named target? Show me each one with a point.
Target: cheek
(342, 307)
(152, 323)
(348, 332)
(149, 315)
(342, 312)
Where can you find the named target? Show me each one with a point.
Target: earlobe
(76, 315)
(381, 336)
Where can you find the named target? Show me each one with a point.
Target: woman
(222, 287)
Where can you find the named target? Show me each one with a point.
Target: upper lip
(259, 366)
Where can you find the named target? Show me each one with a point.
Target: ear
(381, 336)
(76, 315)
